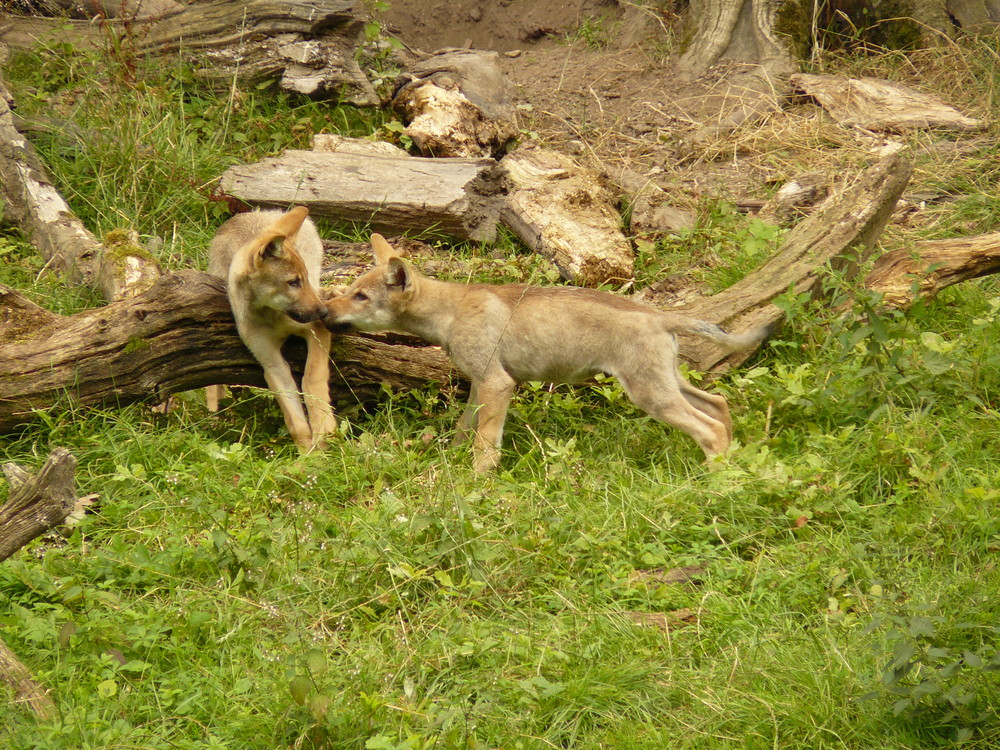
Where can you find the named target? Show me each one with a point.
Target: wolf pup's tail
(731, 342)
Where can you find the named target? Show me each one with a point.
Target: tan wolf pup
(501, 335)
(272, 261)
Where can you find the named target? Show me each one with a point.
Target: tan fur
(272, 262)
(501, 335)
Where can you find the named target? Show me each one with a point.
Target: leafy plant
(936, 672)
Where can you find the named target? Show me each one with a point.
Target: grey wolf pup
(272, 262)
(501, 335)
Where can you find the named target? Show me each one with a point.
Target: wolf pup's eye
(295, 283)
(360, 297)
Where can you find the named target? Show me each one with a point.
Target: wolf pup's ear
(273, 247)
(397, 274)
(382, 250)
(290, 222)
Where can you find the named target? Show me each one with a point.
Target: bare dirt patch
(595, 80)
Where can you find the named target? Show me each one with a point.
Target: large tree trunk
(740, 31)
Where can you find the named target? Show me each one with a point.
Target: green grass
(229, 593)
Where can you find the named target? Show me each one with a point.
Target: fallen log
(903, 276)
(881, 106)
(848, 221)
(458, 103)
(177, 336)
(26, 691)
(36, 503)
(30, 202)
(308, 45)
(563, 212)
(180, 334)
(460, 197)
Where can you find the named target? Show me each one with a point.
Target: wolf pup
(501, 335)
(272, 261)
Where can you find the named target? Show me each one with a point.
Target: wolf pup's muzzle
(338, 326)
(308, 315)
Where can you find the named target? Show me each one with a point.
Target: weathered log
(31, 203)
(563, 212)
(903, 276)
(879, 105)
(309, 45)
(177, 336)
(459, 103)
(853, 217)
(460, 197)
(25, 689)
(36, 503)
(106, 8)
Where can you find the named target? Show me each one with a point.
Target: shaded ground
(596, 78)
(596, 74)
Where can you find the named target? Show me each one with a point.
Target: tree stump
(458, 103)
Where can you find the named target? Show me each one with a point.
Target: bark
(904, 276)
(36, 503)
(31, 203)
(177, 336)
(879, 105)
(308, 45)
(458, 103)
(460, 197)
(563, 212)
(26, 691)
